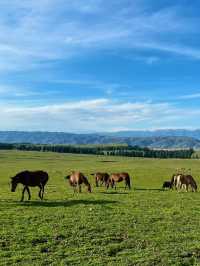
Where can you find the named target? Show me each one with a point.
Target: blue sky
(97, 65)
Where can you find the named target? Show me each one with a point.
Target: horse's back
(76, 177)
(101, 176)
(120, 176)
(33, 178)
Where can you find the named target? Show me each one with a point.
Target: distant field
(145, 226)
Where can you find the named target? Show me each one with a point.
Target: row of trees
(110, 150)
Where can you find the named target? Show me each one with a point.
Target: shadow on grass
(67, 203)
(113, 192)
(108, 161)
(149, 189)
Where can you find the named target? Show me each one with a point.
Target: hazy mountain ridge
(111, 138)
(157, 133)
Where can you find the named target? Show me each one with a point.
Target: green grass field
(144, 226)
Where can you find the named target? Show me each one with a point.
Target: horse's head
(89, 188)
(67, 177)
(14, 182)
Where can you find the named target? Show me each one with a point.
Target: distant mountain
(157, 133)
(160, 141)
(164, 142)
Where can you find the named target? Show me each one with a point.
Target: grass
(144, 226)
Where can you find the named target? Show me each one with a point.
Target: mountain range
(167, 139)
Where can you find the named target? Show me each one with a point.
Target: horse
(188, 180)
(101, 177)
(167, 184)
(118, 177)
(183, 180)
(32, 179)
(76, 179)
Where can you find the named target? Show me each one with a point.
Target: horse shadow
(149, 189)
(113, 193)
(64, 203)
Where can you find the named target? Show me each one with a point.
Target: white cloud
(94, 115)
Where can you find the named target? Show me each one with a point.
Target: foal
(76, 179)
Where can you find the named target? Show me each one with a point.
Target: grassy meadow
(144, 226)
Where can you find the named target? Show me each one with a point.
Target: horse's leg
(29, 193)
(74, 189)
(79, 187)
(22, 198)
(39, 194)
(42, 191)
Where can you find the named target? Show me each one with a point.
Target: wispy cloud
(190, 96)
(93, 115)
(41, 31)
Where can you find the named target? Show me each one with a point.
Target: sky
(97, 65)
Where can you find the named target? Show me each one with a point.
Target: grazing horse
(101, 177)
(167, 184)
(76, 179)
(32, 179)
(188, 180)
(118, 177)
(182, 180)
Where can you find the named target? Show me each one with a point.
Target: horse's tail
(193, 183)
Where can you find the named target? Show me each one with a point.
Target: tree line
(108, 150)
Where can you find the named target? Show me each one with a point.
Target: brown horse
(118, 177)
(76, 179)
(183, 180)
(101, 178)
(32, 179)
(188, 180)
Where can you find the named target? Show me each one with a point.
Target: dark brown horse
(30, 179)
(188, 180)
(101, 178)
(183, 181)
(76, 179)
(119, 177)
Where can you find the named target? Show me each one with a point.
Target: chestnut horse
(101, 177)
(76, 179)
(32, 179)
(118, 177)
